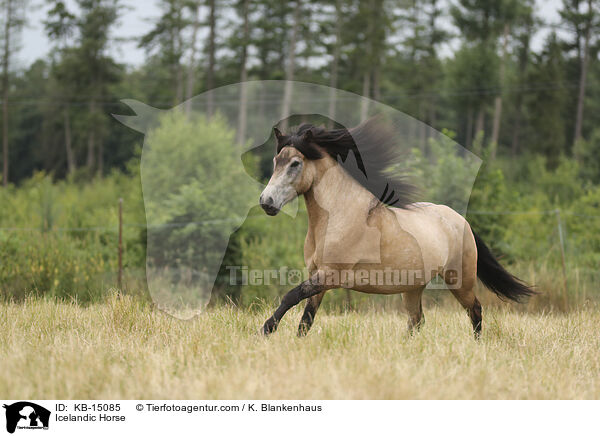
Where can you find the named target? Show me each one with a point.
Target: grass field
(126, 349)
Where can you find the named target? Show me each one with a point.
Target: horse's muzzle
(270, 210)
(268, 206)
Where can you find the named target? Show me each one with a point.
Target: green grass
(123, 348)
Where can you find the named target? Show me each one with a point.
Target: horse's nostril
(268, 201)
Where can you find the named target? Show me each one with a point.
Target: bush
(51, 264)
(588, 154)
(583, 228)
(196, 194)
(60, 239)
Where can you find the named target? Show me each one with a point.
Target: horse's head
(296, 165)
(292, 172)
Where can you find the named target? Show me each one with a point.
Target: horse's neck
(336, 200)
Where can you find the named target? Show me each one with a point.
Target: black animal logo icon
(26, 414)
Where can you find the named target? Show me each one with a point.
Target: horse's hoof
(302, 330)
(269, 327)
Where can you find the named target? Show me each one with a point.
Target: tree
(510, 14)
(211, 50)
(30, 147)
(336, 50)
(189, 90)
(330, 18)
(91, 71)
(291, 63)
(82, 75)
(524, 29)
(373, 17)
(59, 27)
(269, 33)
(421, 67)
(243, 8)
(472, 73)
(183, 188)
(547, 105)
(166, 41)
(13, 13)
(583, 24)
(480, 23)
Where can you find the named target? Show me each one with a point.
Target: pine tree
(59, 27)
(166, 42)
(423, 70)
(523, 31)
(584, 22)
(86, 71)
(547, 104)
(480, 23)
(13, 13)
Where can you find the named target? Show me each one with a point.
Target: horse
(364, 227)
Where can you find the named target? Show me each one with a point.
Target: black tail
(496, 278)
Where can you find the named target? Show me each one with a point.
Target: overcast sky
(138, 17)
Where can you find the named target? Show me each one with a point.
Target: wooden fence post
(562, 254)
(120, 276)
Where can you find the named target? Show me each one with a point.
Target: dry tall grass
(125, 349)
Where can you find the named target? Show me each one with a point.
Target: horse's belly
(386, 289)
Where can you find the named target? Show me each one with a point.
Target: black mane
(375, 159)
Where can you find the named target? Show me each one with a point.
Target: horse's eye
(295, 164)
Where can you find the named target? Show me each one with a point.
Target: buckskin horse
(355, 235)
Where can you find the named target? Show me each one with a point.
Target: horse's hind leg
(466, 273)
(414, 307)
(312, 305)
(466, 297)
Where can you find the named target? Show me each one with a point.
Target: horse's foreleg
(307, 289)
(312, 305)
(412, 304)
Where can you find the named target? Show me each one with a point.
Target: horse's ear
(307, 136)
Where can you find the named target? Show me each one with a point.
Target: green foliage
(588, 153)
(487, 205)
(385, 50)
(547, 106)
(431, 168)
(52, 264)
(583, 227)
(474, 70)
(60, 239)
(561, 186)
(195, 188)
(270, 244)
